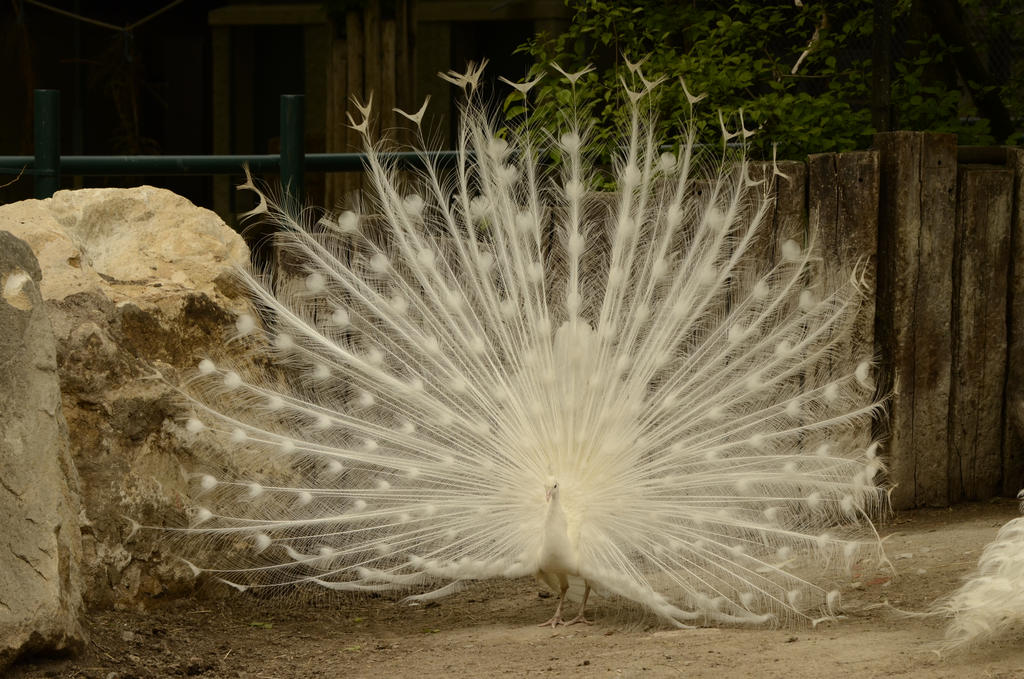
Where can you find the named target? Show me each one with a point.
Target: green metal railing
(47, 165)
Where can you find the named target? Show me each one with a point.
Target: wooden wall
(371, 53)
(939, 231)
(949, 318)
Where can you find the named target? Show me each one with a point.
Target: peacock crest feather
(496, 371)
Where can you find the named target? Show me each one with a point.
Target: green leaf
(741, 53)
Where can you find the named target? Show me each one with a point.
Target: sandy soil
(489, 630)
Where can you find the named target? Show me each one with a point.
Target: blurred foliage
(800, 72)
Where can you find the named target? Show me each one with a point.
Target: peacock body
(494, 371)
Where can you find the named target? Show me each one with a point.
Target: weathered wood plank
(788, 216)
(915, 260)
(1013, 441)
(336, 136)
(372, 67)
(856, 238)
(980, 278)
(405, 68)
(355, 58)
(786, 219)
(317, 41)
(388, 78)
(784, 184)
(933, 306)
(823, 198)
(433, 57)
(842, 207)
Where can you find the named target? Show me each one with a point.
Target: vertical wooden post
(357, 55)
(388, 77)
(372, 55)
(405, 72)
(1013, 441)
(842, 208)
(842, 204)
(435, 47)
(789, 215)
(336, 124)
(293, 152)
(786, 217)
(914, 307)
(980, 278)
(372, 67)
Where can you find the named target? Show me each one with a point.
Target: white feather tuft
(991, 600)
(245, 324)
(348, 221)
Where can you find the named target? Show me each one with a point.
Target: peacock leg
(580, 617)
(556, 619)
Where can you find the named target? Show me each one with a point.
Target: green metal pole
(47, 142)
(293, 134)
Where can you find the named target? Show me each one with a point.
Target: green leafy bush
(801, 73)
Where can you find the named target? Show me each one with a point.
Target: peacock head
(551, 488)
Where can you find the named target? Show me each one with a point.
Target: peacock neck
(555, 513)
(558, 554)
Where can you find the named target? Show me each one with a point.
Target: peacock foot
(554, 622)
(579, 619)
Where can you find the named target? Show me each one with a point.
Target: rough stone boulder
(40, 543)
(136, 282)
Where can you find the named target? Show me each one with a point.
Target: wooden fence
(942, 231)
(371, 54)
(944, 226)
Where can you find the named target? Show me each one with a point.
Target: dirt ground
(489, 630)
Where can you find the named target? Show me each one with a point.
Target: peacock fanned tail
(475, 330)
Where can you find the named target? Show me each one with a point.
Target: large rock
(137, 282)
(40, 543)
